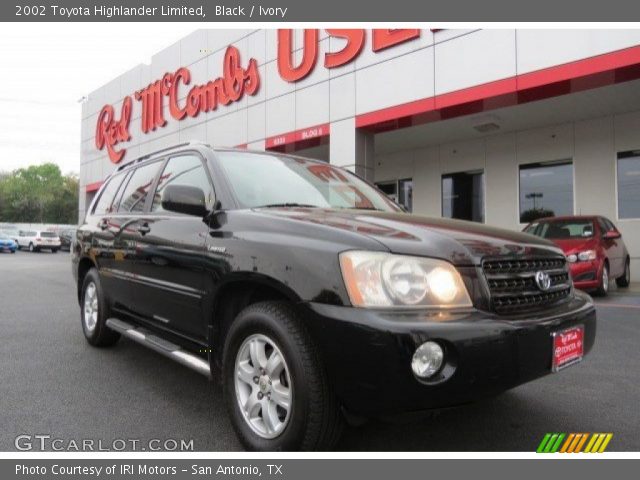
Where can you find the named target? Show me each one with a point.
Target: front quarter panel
(298, 257)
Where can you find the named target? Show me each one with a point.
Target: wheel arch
(237, 293)
(84, 265)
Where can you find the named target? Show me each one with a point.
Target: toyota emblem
(543, 281)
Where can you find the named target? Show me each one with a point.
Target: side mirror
(184, 199)
(612, 235)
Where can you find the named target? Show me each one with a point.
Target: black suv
(312, 296)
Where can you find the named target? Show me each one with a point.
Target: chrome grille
(513, 288)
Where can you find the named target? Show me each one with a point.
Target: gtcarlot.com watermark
(46, 442)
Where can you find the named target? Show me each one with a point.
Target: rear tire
(312, 419)
(54, 250)
(94, 312)
(32, 248)
(603, 289)
(625, 279)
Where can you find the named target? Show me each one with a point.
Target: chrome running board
(160, 345)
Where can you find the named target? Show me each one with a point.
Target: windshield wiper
(280, 205)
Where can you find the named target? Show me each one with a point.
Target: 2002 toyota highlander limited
(313, 296)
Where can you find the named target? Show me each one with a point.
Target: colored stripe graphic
(550, 443)
(598, 443)
(574, 442)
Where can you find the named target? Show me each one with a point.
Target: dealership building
(493, 126)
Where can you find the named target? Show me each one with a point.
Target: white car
(36, 240)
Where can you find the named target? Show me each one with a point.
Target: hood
(459, 242)
(575, 245)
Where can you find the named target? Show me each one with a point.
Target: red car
(593, 246)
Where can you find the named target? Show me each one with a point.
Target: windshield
(264, 180)
(559, 229)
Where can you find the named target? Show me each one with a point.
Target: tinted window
(48, 234)
(463, 196)
(105, 202)
(135, 193)
(546, 190)
(183, 170)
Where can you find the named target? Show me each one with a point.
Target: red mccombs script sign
(230, 87)
(235, 82)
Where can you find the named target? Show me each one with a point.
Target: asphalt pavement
(53, 383)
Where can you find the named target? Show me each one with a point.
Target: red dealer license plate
(568, 347)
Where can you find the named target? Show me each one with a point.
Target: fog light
(427, 359)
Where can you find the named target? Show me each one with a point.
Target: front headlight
(381, 280)
(587, 255)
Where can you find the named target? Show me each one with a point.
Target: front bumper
(586, 275)
(368, 353)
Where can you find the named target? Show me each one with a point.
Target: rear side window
(185, 170)
(135, 193)
(105, 202)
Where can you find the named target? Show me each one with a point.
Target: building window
(629, 184)
(463, 196)
(400, 191)
(546, 190)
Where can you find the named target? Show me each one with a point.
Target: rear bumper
(46, 245)
(368, 353)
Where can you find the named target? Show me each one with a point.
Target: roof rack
(149, 155)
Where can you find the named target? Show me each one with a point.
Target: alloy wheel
(91, 307)
(264, 391)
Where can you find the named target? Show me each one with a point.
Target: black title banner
(431, 11)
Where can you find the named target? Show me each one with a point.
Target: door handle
(143, 228)
(103, 224)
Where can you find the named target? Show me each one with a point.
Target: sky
(46, 68)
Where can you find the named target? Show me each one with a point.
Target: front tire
(94, 312)
(603, 289)
(275, 387)
(625, 279)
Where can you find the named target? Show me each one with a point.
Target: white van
(36, 240)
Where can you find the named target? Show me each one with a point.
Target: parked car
(594, 248)
(66, 239)
(7, 244)
(37, 240)
(12, 234)
(309, 293)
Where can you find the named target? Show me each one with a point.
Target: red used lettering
(389, 37)
(287, 70)
(355, 42)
